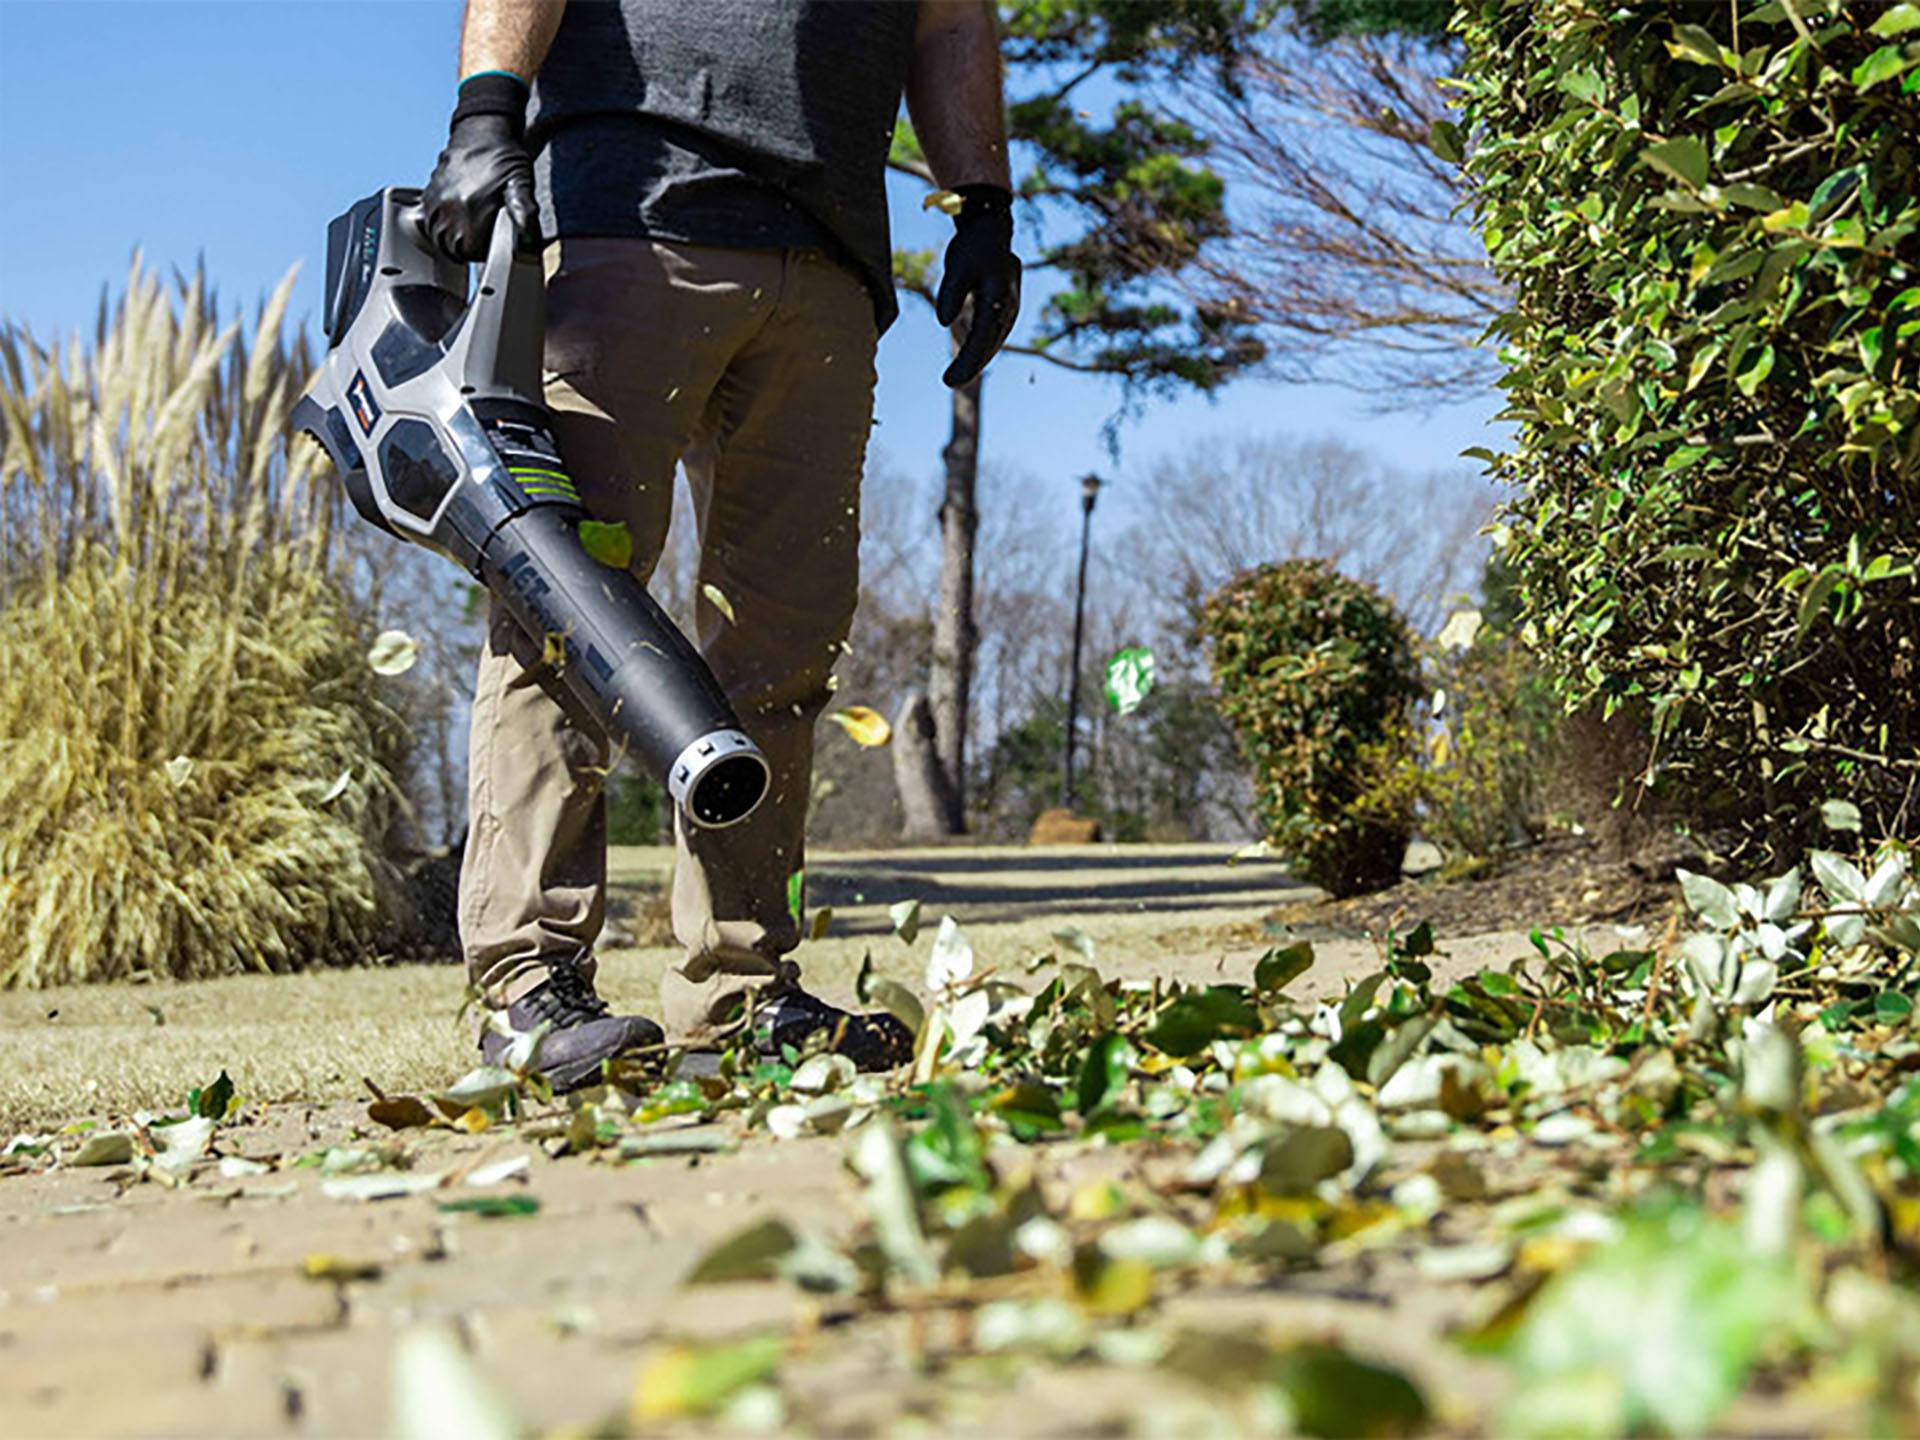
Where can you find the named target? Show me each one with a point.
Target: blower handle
(503, 336)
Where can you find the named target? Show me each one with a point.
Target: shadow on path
(1015, 886)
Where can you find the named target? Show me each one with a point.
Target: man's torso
(750, 123)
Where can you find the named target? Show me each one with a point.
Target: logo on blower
(365, 408)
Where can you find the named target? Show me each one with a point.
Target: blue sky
(235, 130)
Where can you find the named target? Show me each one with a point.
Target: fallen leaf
(176, 1147)
(115, 1147)
(1334, 1394)
(321, 1266)
(401, 1112)
(698, 1379)
(1112, 1287)
(823, 1074)
(393, 653)
(382, 1185)
(705, 1141)
(1076, 940)
(438, 1391)
(499, 1171)
(786, 1122)
(877, 1158)
(492, 1207)
(753, 1253)
(485, 1087)
(867, 728)
(179, 769)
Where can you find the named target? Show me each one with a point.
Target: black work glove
(980, 264)
(485, 166)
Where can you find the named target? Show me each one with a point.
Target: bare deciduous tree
(1217, 508)
(1347, 253)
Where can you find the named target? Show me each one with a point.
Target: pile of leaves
(1710, 222)
(1717, 1136)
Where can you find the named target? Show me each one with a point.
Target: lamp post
(1089, 492)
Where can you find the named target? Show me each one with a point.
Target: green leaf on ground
(212, 1102)
(1656, 1329)
(699, 1379)
(1103, 1072)
(1333, 1394)
(1196, 1019)
(750, 1254)
(492, 1207)
(1280, 967)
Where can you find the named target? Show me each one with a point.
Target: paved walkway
(132, 1309)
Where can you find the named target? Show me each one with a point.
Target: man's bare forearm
(509, 35)
(954, 94)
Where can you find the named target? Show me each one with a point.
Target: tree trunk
(924, 803)
(950, 680)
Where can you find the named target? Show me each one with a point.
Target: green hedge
(1316, 673)
(1708, 216)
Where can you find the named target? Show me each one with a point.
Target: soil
(1564, 880)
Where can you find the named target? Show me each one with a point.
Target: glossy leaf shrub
(1315, 672)
(1708, 215)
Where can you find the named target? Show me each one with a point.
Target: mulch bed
(1564, 880)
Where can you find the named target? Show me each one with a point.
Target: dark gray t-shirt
(748, 123)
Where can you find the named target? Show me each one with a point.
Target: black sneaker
(583, 1037)
(785, 1015)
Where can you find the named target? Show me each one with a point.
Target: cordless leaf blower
(429, 404)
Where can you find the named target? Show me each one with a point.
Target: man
(708, 178)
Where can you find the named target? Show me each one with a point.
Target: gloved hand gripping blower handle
(430, 407)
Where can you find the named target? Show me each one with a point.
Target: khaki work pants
(755, 368)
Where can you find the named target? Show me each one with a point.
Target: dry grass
(311, 1037)
(196, 765)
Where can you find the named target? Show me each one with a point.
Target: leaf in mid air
(393, 653)
(610, 544)
(866, 728)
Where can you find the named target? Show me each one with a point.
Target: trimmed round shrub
(1316, 672)
(1710, 220)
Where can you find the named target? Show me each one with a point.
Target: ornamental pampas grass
(196, 767)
